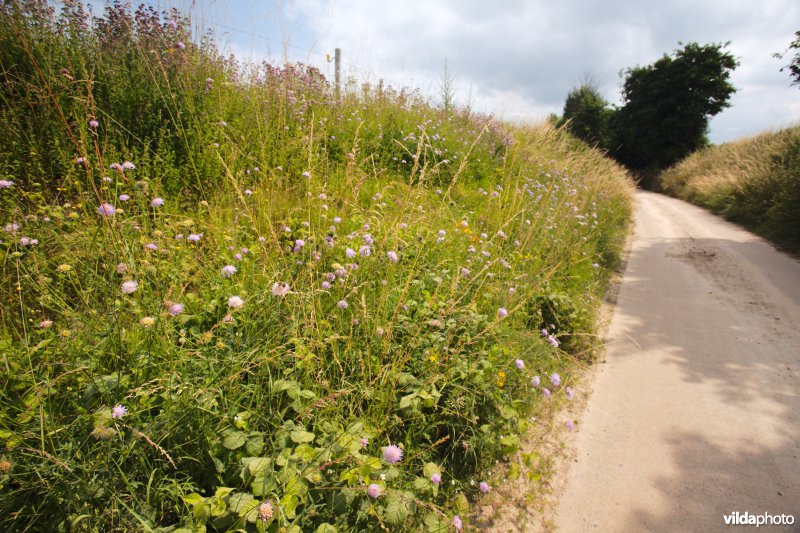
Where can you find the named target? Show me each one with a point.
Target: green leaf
(233, 439)
(255, 443)
(300, 435)
(405, 401)
(396, 510)
(289, 504)
(326, 528)
(461, 505)
(256, 465)
(192, 499)
(242, 503)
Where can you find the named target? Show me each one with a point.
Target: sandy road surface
(696, 413)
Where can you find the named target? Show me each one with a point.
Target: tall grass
(236, 302)
(753, 181)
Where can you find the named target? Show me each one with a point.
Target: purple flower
(350, 253)
(337, 220)
(280, 289)
(234, 302)
(150, 246)
(180, 45)
(6, 184)
(156, 202)
(392, 255)
(80, 160)
(403, 225)
(520, 364)
(106, 210)
(364, 442)
(555, 379)
(436, 478)
(374, 490)
(570, 425)
(544, 332)
(392, 454)
(238, 257)
(364, 251)
(535, 381)
(552, 340)
(368, 239)
(595, 265)
(298, 244)
(118, 411)
(176, 309)
(115, 166)
(127, 165)
(465, 272)
(124, 197)
(195, 237)
(546, 392)
(484, 487)
(342, 304)
(457, 523)
(93, 124)
(570, 393)
(326, 285)
(129, 287)
(228, 271)
(502, 312)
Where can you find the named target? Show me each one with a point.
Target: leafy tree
(667, 105)
(794, 65)
(586, 115)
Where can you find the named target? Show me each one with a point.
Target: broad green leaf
(301, 435)
(396, 510)
(233, 439)
(326, 528)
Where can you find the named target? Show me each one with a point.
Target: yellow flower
(501, 379)
(64, 333)
(63, 267)
(147, 321)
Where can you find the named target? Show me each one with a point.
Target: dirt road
(696, 412)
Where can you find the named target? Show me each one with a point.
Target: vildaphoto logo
(763, 519)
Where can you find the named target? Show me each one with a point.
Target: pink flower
(342, 304)
(392, 454)
(457, 523)
(6, 184)
(93, 124)
(127, 165)
(124, 197)
(265, 511)
(520, 364)
(364, 442)
(228, 271)
(106, 210)
(484, 487)
(392, 256)
(118, 411)
(180, 45)
(195, 237)
(555, 379)
(156, 202)
(350, 253)
(176, 309)
(570, 425)
(280, 289)
(535, 381)
(234, 302)
(502, 312)
(374, 490)
(129, 287)
(436, 478)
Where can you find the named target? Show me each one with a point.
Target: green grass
(468, 237)
(754, 182)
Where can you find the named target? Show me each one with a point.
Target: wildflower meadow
(233, 300)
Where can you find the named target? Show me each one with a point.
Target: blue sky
(517, 59)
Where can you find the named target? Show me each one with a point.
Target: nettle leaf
(397, 509)
(257, 465)
(233, 439)
(242, 503)
(255, 443)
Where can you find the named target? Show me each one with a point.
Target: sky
(518, 59)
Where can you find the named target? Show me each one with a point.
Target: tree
(794, 66)
(667, 105)
(586, 115)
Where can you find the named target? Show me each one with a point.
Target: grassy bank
(754, 182)
(232, 300)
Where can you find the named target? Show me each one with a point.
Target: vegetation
(794, 64)
(754, 181)
(234, 302)
(587, 114)
(665, 111)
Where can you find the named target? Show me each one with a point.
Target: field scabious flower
(555, 379)
(127, 165)
(235, 302)
(280, 289)
(107, 210)
(342, 304)
(6, 184)
(176, 309)
(129, 287)
(124, 197)
(265, 511)
(457, 523)
(502, 312)
(157, 202)
(195, 237)
(436, 478)
(392, 255)
(520, 364)
(93, 124)
(374, 490)
(392, 454)
(228, 271)
(118, 411)
(535, 381)
(365, 251)
(484, 487)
